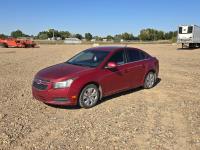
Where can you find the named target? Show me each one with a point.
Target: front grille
(40, 86)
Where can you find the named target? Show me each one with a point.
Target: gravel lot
(165, 117)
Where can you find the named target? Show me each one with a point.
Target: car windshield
(88, 58)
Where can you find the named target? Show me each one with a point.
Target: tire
(3, 45)
(150, 80)
(191, 45)
(89, 96)
(27, 46)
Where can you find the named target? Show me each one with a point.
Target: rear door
(135, 67)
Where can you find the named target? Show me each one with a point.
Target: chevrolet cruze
(95, 73)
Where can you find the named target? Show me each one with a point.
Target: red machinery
(19, 43)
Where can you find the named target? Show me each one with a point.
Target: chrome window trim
(134, 62)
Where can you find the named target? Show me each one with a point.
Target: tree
(43, 36)
(18, 33)
(126, 36)
(53, 33)
(146, 35)
(88, 36)
(109, 38)
(79, 36)
(118, 37)
(152, 34)
(170, 35)
(64, 34)
(98, 38)
(160, 35)
(3, 36)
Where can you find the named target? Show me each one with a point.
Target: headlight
(63, 84)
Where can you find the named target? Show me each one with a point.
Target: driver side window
(118, 57)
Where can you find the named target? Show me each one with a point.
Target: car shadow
(64, 107)
(158, 81)
(105, 98)
(125, 92)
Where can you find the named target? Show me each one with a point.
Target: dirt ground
(165, 117)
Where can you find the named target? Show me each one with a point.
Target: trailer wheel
(3, 45)
(191, 45)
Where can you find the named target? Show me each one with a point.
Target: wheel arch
(95, 83)
(4, 44)
(150, 70)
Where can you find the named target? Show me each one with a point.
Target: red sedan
(95, 73)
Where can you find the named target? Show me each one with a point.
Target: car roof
(107, 48)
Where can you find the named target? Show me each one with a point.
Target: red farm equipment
(18, 43)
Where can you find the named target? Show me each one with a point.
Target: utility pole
(53, 35)
(53, 38)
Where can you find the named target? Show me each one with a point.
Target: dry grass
(165, 117)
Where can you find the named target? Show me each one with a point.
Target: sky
(102, 17)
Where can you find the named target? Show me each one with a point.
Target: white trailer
(189, 36)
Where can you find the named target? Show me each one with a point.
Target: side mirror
(111, 65)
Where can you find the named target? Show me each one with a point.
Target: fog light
(61, 99)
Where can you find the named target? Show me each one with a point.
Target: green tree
(79, 36)
(170, 35)
(88, 36)
(53, 32)
(110, 38)
(98, 38)
(118, 37)
(18, 33)
(43, 36)
(151, 35)
(64, 34)
(3, 36)
(127, 36)
(160, 35)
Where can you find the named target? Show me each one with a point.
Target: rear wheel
(150, 80)
(89, 96)
(28, 45)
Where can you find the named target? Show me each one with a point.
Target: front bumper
(55, 96)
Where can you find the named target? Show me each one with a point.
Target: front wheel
(150, 80)
(89, 96)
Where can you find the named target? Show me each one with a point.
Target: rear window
(136, 55)
(144, 55)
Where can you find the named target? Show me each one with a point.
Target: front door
(114, 80)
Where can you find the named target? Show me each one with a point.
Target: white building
(72, 41)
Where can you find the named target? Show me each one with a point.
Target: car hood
(61, 72)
